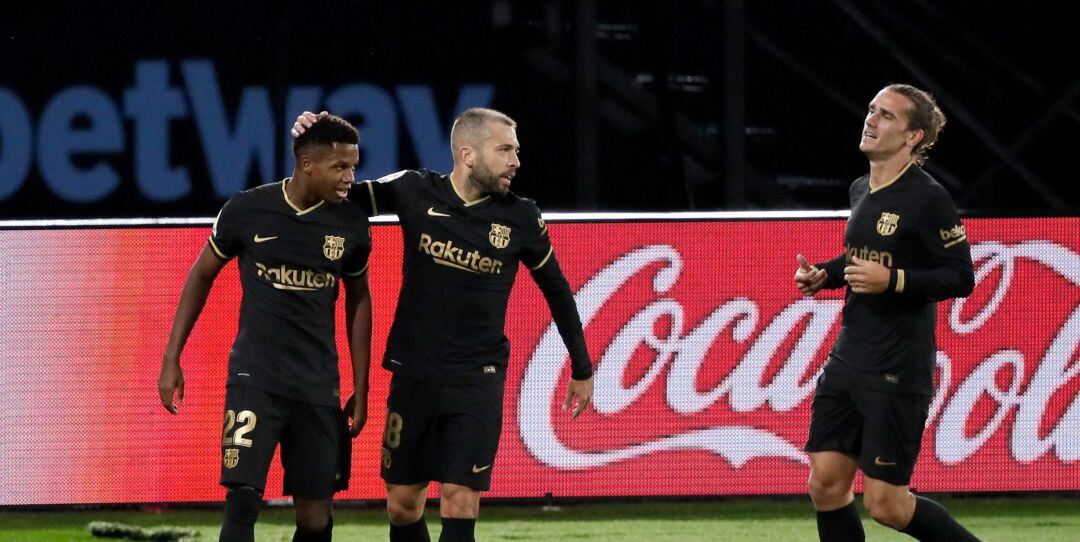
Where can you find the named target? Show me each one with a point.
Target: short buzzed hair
(470, 127)
(326, 131)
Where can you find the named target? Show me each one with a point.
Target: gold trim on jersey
(371, 192)
(295, 207)
(899, 281)
(214, 247)
(360, 272)
(467, 203)
(894, 179)
(551, 250)
(954, 241)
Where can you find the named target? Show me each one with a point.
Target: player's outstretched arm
(553, 284)
(192, 299)
(358, 322)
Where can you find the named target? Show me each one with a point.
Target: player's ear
(915, 137)
(466, 153)
(305, 162)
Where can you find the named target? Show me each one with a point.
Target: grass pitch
(1027, 519)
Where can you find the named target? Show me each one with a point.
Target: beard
(486, 180)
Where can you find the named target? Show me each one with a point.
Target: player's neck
(296, 188)
(466, 190)
(883, 172)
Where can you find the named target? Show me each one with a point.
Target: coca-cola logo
(1056, 369)
(746, 389)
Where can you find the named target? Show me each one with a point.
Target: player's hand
(866, 277)
(169, 381)
(808, 278)
(305, 120)
(578, 395)
(357, 413)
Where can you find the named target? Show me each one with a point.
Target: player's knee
(885, 510)
(403, 512)
(242, 505)
(459, 502)
(312, 519)
(322, 532)
(825, 490)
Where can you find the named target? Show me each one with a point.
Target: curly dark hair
(326, 131)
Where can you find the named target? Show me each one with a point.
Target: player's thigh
(892, 437)
(469, 427)
(253, 425)
(409, 440)
(314, 451)
(835, 422)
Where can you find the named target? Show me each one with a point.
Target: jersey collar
(450, 180)
(289, 202)
(894, 179)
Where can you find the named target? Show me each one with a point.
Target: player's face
(497, 161)
(885, 130)
(332, 172)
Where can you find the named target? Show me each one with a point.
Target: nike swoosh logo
(880, 463)
(480, 469)
(432, 212)
(264, 239)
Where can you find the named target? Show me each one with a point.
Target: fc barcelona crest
(334, 247)
(499, 236)
(886, 225)
(232, 457)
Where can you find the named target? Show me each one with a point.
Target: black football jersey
(910, 225)
(460, 261)
(291, 262)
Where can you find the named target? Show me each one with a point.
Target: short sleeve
(225, 236)
(538, 249)
(382, 195)
(359, 258)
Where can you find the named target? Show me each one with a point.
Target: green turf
(1034, 519)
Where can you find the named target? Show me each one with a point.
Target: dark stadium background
(761, 108)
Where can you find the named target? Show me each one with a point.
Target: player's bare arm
(192, 299)
(358, 322)
(809, 279)
(866, 277)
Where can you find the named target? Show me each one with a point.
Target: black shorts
(315, 444)
(445, 433)
(883, 430)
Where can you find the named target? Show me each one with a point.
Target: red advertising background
(706, 362)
